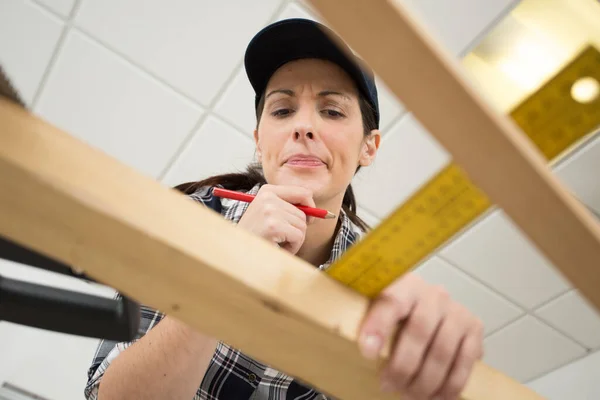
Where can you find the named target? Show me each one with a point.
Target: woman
(317, 124)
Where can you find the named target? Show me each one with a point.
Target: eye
(282, 112)
(333, 113)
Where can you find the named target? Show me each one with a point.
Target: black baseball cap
(296, 38)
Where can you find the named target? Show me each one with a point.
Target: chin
(315, 182)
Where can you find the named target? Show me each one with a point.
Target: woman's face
(311, 129)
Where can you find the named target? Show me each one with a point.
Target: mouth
(305, 161)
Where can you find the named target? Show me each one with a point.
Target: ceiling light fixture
(585, 90)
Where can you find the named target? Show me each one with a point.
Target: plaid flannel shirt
(231, 375)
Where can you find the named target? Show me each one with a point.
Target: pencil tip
(330, 215)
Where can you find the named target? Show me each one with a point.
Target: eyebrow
(289, 92)
(333, 92)
(323, 93)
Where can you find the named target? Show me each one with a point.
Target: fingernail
(370, 346)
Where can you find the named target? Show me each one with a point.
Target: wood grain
(494, 153)
(74, 203)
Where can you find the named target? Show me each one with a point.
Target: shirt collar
(347, 235)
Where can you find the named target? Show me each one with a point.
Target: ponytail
(242, 181)
(349, 207)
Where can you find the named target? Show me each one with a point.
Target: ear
(257, 143)
(369, 148)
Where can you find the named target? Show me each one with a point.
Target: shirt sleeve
(108, 350)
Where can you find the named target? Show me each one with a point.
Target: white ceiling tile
(528, 348)
(193, 45)
(580, 172)
(236, 104)
(31, 361)
(389, 106)
(407, 158)
(28, 36)
(94, 95)
(298, 10)
(62, 7)
(309, 8)
(457, 24)
(366, 216)
(575, 317)
(575, 381)
(493, 310)
(496, 252)
(215, 149)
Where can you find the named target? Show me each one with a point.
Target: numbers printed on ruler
(450, 201)
(419, 226)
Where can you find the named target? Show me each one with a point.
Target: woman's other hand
(437, 343)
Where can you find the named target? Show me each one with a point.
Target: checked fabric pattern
(231, 375)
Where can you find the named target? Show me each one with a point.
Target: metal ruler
(450, 202)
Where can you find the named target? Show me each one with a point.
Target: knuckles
(399, 305)
(271, 226)
(269, 209)
(443, 351)
(406, 368)
(266, 188)
(421, 324)
(440, 292)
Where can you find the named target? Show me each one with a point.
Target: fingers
(471, 350)
(393, 305)
(415, 337)
(284, 224)
(440, 355)
(293, 215)
(293, 240)
(274, 215)
(294, 195)
(435, 341)
(295, 229)
(381, 322)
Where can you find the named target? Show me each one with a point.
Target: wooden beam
(490, 148)
(76, 204)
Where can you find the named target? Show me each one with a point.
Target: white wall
(46, 363)
(576, 381)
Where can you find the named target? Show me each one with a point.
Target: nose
(303, 131)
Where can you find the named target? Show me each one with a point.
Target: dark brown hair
(254, 175)
(7, 90)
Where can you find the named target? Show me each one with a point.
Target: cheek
(271, 143)
(346, 149)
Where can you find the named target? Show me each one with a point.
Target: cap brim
(294, 39)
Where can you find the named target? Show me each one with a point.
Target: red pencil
(231, 194)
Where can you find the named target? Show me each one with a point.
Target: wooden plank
(71, 202)
(490, 148)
